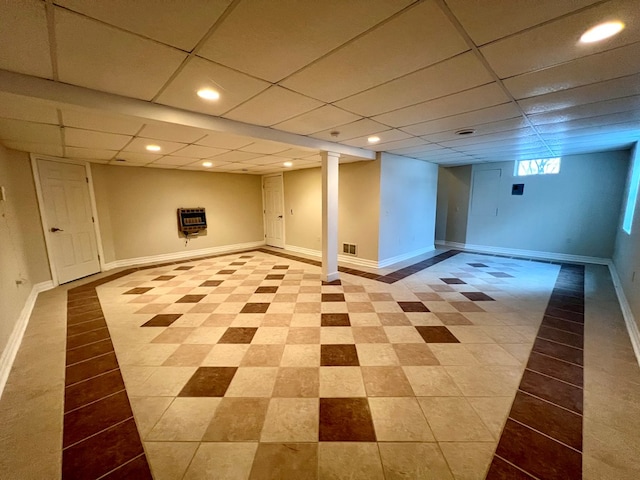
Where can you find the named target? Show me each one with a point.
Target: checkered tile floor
(250, 367)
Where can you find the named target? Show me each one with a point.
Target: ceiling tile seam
(445, 9)
(315, 109)
(194, 52)
(53, 44)
(133, 137)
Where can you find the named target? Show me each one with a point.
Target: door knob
(279, 216)
(56, 229)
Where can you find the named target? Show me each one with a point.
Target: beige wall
(454, 185)
(358, 207)
(137, 209)
(22, 250)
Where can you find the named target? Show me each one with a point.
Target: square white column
(330, 216)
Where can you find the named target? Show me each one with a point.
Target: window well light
(288, 164)
(373, 139)
(153, 148)
(208, 94)
(207, 164)
(602, 31)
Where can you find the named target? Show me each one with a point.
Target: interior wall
(626, 256)
(303, 208)
(137, 209)
(454, 185)
(23, 254)
(408, 192)
(574, 212)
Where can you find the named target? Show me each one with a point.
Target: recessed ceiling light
(373, 139)
(602, 31)
(153, 148)
(208, 94)
(466, 131)
(288, 164)
(207, 164)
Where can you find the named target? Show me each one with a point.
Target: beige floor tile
(303, 335)
(169, 460)
(431, 381)
(336, 335)
(291, 420)
(290, 461)
(353, 461)
(225, 355)
(270, 335)
(470, 334)
(219, 320)
(399, 420)
(188, 355)
(147, 411)
(263, 356)
(453, 354)
(520, 351)
(305, 320)
(185, 420)
(364, 320)
(301, 356)
(403, 335)
(145, 355)
(377, 354)
(486, 381)
(422, 461)
(468, 460)
(386, 382)
(609, 453)
(237, 420)
(452, 419)
(205, 335)
(493, 411)
(369, 335)
(415, 354)
(163, 382)
(341, 382)
(252, 382)
(491, 354)
(231, 461)
(296, 382)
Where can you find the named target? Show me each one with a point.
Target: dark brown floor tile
(90, 368)
(191, 299)
(211, 283)
(274, 276)
(83, 393)
(346, 420)
(87, 338)
(477, 296)
(560, 336)
(333, 297)
(184, 267)
(453, 281)
(567, 326)
(436, 335)
(478, 265)
(226, 272)
(556, 350)
(564, 314)
(233, 264)
(280, 267)
(266, 290)
(413, 307)
(466, 307)
(501, 470)
(335, 320)
(90, 302)
(94, 418)
(555, 368)
(500, 274)
(138, 469)
(74, 294)
(285, 461)
(162, 320)
(98, 455)
(453, 318)
(333, 282)
(552, 390)
(557, 298)
(163, 278)
(338, 356)
(558, 423)
(538, 454)
(86, 326)
(208, 382)
(89, 351)
(575, 307)
(238, 335)
(138, 291)
(255, 308)
(75, 319)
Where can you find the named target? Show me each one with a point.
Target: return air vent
(349, 249)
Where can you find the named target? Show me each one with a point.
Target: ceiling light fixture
(208, 94)
(466, 131)
(373, 139)
(602, 31)
(207, 164)
(288, 164)
(153, 148)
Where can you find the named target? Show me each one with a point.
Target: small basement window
(539, 166)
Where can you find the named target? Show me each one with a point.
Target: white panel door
(485, 192)
(68, 219)
(273, 211)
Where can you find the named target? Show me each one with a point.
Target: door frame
(43, 217)
(264, 209)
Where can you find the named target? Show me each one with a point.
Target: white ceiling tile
(485, 22)
(386, 136)
(589, 110)
(198, 151)
(451, 76)
(422, 35)
(235, 156)
(409, 142)
(89, 153)
(420, 149)
(519, 135)
(174, 160)
(22, 131)
(474, 99)
(225, 140)
(348, 131)
(265, 147)
(136, 158)
(608, 121)
(267, 160)
(75, 137)
(35, 147)
(96, 120)
(272, 106)
(558, 41)
(93, 55)
(180, 24)
(172, 132)
(274, 39)
(298, 153)
(480, 129)
(235, 167)
(486, 115)
(24, 38)
(596, 92)
(317, 120)
(233, 87)
(615, 63)
(23, 108)
(138, 145)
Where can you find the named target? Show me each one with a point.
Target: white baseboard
(562, 257)
(362, 262)
(167, 257)
(11, 350)
(629, 319)
(405, 256)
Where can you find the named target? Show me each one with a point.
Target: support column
(330, 216)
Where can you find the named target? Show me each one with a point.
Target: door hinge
(93, 220)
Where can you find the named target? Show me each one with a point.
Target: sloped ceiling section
(103, 80)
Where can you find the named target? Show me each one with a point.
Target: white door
(274, 211)
(485, 194)
(68, 219)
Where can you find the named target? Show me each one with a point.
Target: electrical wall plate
(517, 189)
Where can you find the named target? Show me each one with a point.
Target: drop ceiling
(102, 80)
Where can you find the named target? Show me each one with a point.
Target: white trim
(563, 257)
(96, 222)
(165, 257)
(348, 259)
(405, 256)
(15, 339)
(629, 319)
